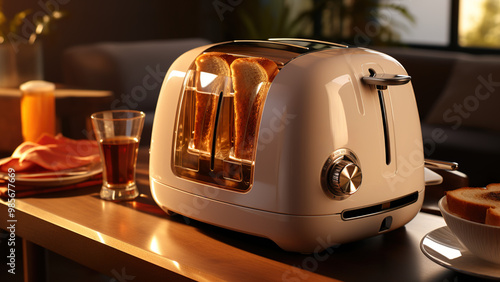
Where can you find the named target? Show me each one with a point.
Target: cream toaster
(305, 142)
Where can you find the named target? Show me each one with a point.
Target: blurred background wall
(424, 23)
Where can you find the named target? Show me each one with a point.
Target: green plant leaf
(249, 25)
(402, 10)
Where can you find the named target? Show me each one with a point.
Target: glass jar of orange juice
(38, 115)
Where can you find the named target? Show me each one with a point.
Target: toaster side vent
(380, 208)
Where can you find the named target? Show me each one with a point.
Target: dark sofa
(133, 71)
(458, 95)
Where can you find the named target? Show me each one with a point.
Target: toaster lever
(440, 164)
(384, 80)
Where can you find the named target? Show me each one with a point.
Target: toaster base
(296, 233)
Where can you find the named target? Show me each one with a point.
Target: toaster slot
(196, 119)
(214, 134)
(381, 81)
(383, 112)
(216, 130)
(387, 140)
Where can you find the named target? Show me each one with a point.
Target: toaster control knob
(345, 178)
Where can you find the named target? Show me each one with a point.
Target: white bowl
(480, 239)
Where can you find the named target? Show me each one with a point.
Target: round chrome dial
(341, 174)
(344, 178)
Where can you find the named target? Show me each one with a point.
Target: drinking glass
(118, 133)
(38, 115)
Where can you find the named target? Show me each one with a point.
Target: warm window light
(479, 23)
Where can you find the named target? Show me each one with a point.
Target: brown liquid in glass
(120, 156)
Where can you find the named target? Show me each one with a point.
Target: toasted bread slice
(251, 77)
(215, 62)
(474, 203)
(493, 216)
(206, 103)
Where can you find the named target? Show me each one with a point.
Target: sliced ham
(52, 154)
(19, 167)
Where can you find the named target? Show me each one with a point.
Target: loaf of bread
(206, 103)
(251, 77)
(480, 205)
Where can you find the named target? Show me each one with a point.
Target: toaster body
(336, 157)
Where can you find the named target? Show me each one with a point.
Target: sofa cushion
(134, 71)
(472, 95)
(476, 151)
(429, 71)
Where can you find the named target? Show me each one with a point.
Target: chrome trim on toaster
(381, 81)
(309, 41)
(273, 42)
(440, 164)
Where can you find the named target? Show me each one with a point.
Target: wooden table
(141, 243)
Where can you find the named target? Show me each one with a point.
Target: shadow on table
(339, 261)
